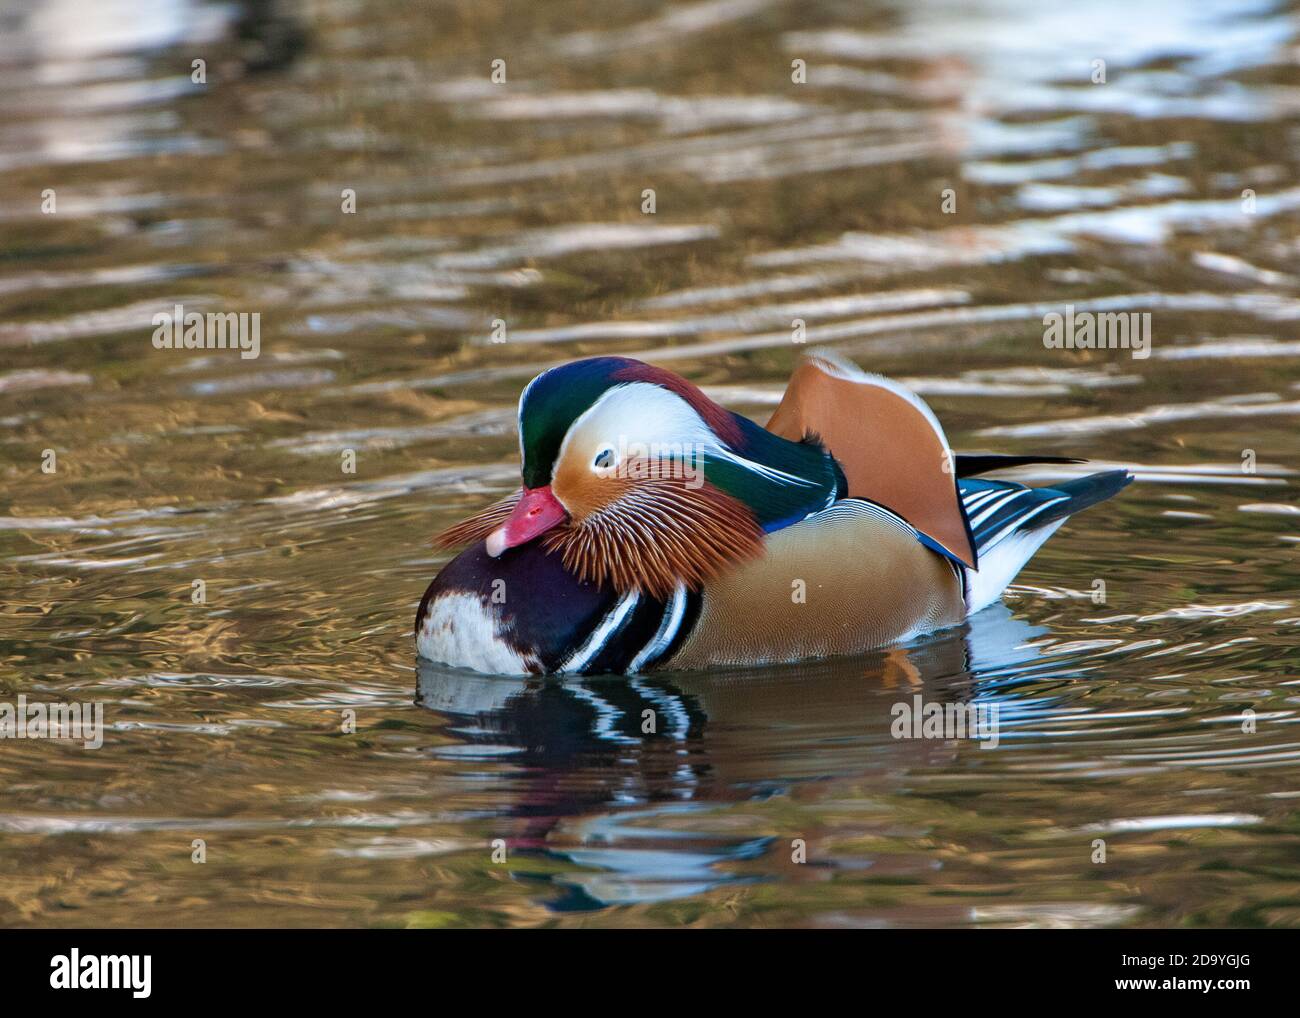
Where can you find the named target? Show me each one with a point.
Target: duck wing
(889, 444)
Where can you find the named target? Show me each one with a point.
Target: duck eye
(604, 459)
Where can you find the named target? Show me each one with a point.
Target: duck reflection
(619, 774)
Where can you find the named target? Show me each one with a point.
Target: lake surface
(1145, 665)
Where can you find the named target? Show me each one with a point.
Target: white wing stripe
(971, 501)
(993, 506)
(1019, 522)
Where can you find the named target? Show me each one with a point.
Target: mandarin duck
(655, 529)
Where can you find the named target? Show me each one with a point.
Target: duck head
(642, 482)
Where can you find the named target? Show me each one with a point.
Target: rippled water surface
(1129, 660)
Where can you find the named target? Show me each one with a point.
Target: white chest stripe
(667, 631)
(608, 628)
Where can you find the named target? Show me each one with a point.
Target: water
(1121, 719)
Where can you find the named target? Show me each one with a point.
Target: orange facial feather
(658, 533)
(478, 526)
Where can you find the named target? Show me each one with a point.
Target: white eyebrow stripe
(769, 472)
(687, 429)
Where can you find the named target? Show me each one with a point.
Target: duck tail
(1010, 522)
(1087, 491)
